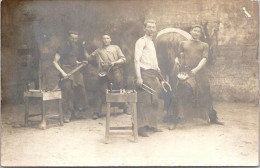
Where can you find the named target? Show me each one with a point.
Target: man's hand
(139, 82)
(112, 63)
(177, 61)
(83, 62)
(78, 62)
(64, 75)
(193, 72)
(84, 44)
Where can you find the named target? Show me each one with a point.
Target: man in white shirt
(147, 70)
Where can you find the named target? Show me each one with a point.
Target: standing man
(147, 71)
(193, 95)
(110, 60)
(73, 89)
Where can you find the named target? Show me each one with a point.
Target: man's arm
(139, 46)
(57, 66)
(203, 61)
(201, 64)
(121, 59)
(92, 56)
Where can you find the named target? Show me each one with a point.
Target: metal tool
(104, 73)
(147, 88)
(74, 70)
(164, 83)
(71, 73)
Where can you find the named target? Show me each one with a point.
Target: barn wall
(234, 66)
(42, 25)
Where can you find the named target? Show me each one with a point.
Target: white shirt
(145, 53)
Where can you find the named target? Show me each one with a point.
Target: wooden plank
(120, 133)
(51, 95)
(132, 97)
(33, 94)
(116, 97)
(135, 122)
(60, 111)
(33, 115)
(26, 106)
(53, 116)
(121, 97)
(107, 124)
(43, 123)
(120, 128)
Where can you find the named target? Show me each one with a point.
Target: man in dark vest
(73, 90)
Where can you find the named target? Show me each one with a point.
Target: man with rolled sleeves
(73, 90)
(110, 60)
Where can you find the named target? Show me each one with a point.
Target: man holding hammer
(72, 86)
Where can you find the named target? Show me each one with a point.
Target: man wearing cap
(146, 68)
(110, 60)
(193, 95)
(73, 90)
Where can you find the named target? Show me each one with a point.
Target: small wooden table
(130, 97)
(44, 96)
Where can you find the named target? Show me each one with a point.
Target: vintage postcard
(129, 83)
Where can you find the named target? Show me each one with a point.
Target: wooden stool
(44, 96)
(129, 96)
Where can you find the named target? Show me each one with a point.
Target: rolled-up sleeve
(120, 54)
(139, 46)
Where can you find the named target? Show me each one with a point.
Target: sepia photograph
(129, 83)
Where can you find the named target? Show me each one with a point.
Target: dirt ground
(81, 142)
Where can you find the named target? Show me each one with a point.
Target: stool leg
(60, 112)
(135, 123)
(26, 106)
(107, 123)
(43, 123)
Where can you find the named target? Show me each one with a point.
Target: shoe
(66, 120)
(157, 130)
(172, 127)
(73, 116)
(95, 116)
(175, 123)
(217, 122)
(142, 132)
(77, 116)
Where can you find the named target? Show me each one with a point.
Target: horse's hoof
(42, 125)
(172, 127)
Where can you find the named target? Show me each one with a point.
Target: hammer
(71, 73)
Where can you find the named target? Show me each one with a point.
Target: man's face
(73, 38)
(196, 33)
(150, 29)
(106, 40)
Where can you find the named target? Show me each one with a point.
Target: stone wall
(44, 24)
(234, 66)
